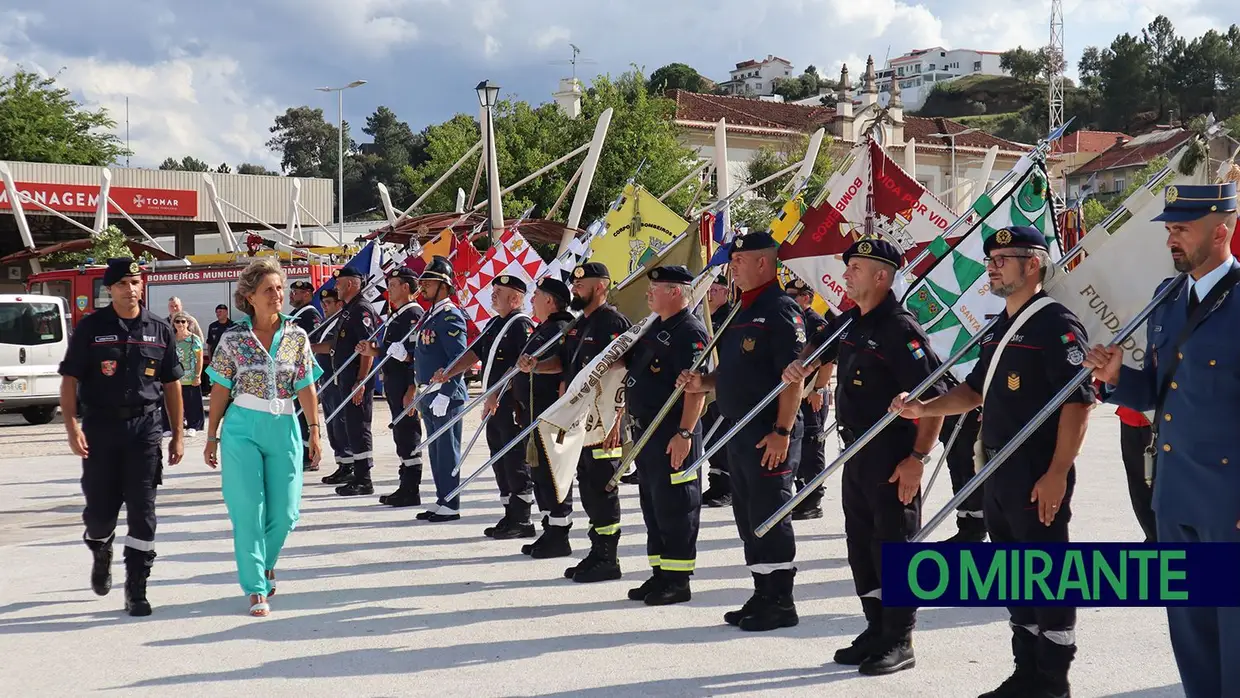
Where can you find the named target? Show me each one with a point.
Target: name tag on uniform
(107, 338)
(148, 338)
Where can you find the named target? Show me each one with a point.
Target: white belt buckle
(276, 406)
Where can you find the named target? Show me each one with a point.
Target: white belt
(258, 404)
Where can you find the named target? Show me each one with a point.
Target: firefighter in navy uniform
(441, 340)
(719, 490)
(358, 322)
(882, 353)
(671, 501)
(535, 393)
(601, 323)
(307, 317)
(970, 518)
(120, 360)
(1028, 499)
(767, 334)
(399, 384)
(812, 444)
(323, 340)
(498, 349)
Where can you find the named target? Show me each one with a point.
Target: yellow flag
(787, 219)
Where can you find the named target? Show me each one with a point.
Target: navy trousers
(445, 452)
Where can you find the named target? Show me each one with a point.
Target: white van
(34, 336)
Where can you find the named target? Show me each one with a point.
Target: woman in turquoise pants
(261, 370)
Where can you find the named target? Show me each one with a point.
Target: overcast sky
(207, 78)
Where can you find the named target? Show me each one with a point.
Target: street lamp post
(340, 156)
(488, 95)
(955, 184)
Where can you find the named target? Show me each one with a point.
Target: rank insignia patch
(1013, 381)
(748, 344)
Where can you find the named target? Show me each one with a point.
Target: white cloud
(551, 35)
(491, 46)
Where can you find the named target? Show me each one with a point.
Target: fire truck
(202, 284)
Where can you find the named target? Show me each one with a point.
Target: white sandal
(260, 609)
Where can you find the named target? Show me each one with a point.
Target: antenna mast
(1055, 71)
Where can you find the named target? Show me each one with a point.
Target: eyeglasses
(999, 260)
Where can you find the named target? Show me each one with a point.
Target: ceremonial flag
(372, 262)
(591, 404)
(952, 301)
(513, 256)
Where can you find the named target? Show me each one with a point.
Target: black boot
(719, 493)
(894, 649)
(810, 507)
(552, 543)
(648, 587)
(355, 488)
(865, 643)
(675, 589)
(343, 474)
(1054, 660)
(407, 494)
(101, 571)
(501, 525)
(751, 606)
(137, 569)
(517, 516)
(606, 565)
(1023, 682)
(970, 529)
(779, 611)
(590, 559)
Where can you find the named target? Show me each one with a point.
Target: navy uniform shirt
(307, 318)
(589, 337)
(441, 341)
(814, 322)
(214, 331)
(667, 348)
(1036, 364)
(878, 356)
(406, 318)
(507, 348)
(357, 322)
(718, 317)
(545, 387)
(754, 350)
(119, 362)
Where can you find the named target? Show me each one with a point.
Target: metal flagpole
(419, 394)
(331, 379)
(947, 448)
(469, 447)
(1064, 393)
(376, 368)
(494, 459)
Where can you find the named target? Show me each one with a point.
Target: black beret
(221, 306)
(722, 280)
(797, 286)
(1019, 236)
(751, 242)
(329, 293)
(516, 283)
(592, 270)
(119, 268)
(299, 285)
(440, 269)
(556, 288)
(877, 249)
(348, 273)
(675, 274)
(405, 274)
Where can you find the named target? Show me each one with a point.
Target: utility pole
(1055, 72)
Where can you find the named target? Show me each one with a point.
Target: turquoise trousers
(260, 463)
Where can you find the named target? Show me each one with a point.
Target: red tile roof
(1090, 141)
(759, 116)
(1136, 152)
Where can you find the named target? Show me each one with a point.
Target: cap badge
(865, 248)
(133, 267)
(579, 272)
(1173, 194)
(503, 279)
(1003, 237)
(739, 243)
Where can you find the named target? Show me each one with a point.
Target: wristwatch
(685, 433)
(781, 431)
(923, 457)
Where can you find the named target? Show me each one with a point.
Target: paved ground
(374, 603)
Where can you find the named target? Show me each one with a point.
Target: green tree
(1164, 50)
(106, 245)
(309, 147)
(1023, 64)
(224, 168)
(40, 122)
(800, 87)
(188, 163)
(247, 168)
(1125, 81)
(675, 76)
(1202, 74)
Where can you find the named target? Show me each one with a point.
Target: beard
(580, 302)
(1006, 290)
(1188, 261)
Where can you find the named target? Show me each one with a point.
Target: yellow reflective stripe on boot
(611, 530)
(655, 560)
(608, 453)
(678, 565)
(681, 477)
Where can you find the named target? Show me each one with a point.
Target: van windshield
(29, 324)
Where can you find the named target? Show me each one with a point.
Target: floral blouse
(242, 365)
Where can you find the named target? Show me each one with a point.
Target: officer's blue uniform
(337, 435)
(597, 465)
(121, 367)
(441, 341)
(1039, 360)
(765, 336)
(307, 318)
(535, 393)
(512, 471)
(398, 377)
(1197, 477)
(813, 442)
(358, 323)
(671, 500)
(719, 491)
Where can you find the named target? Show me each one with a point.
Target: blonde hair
(182, 315)
(251, 277)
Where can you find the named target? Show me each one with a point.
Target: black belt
(120, 413)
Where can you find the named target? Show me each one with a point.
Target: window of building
(977, 66)
(758, 86)
(931, 66)
(1119, 184)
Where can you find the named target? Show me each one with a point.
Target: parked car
(34, 335)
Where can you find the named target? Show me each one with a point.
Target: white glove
(397, 351)
(439, 406)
